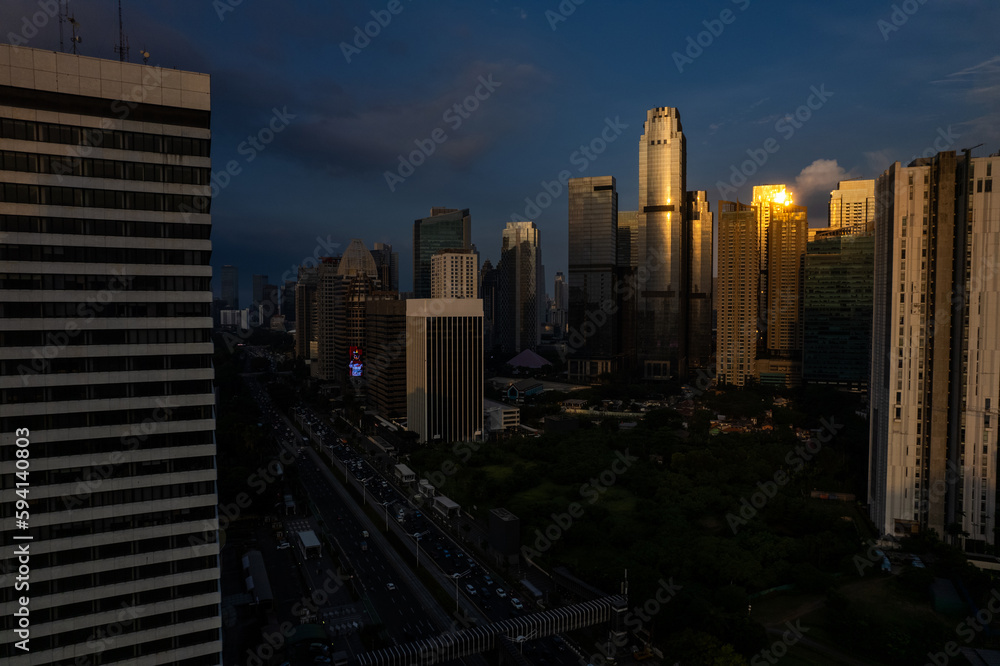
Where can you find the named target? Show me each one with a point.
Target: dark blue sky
(895, 77)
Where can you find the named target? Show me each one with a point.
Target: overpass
(477, 640)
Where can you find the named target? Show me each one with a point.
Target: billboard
(355, 364)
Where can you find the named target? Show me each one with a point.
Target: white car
(516, 603)
(501, 593)
(390, 586)
(282, 545)
(470, 589)
(364, 533)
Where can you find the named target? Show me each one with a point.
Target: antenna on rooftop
(62, 20)
(145, 56)
(122, 47)
(76, 38)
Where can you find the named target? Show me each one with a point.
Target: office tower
(106, 361)
(387, 264)
(837, 311)
(288, 301)
(327, 283)
(852, 206)
(454, 274)
(385, 351)
(560, 306)
(231, 287)
(444, 368)
(664, 238)
(738, 294)
(593, 253)
(307, 313)
(521, 294)
(700, 222)
(259, 282)
(784, 229)
(628, 238)
(356, 284)
(936, 350)
(268, 303)
(445, 229)
(488, 291)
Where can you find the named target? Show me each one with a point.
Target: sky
(319, 107)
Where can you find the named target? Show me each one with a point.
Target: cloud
(878, 161)
(821, 176)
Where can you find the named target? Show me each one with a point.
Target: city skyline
(325, 167)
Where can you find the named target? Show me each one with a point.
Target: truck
(309, 545)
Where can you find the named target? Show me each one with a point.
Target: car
(364, 533)
(501, 593)
(487, 580)
(469, 588)
(390, 586)
(516, 603)
(282, 545)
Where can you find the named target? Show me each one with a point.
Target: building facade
(105, 242)
(444, 369)
(702, 234)
(738, 294)
(936, 350)
(852, 206)
(520, 291)
(385, 354)
(454, 274)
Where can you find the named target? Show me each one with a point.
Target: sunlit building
(852, 206)
(520, 290)
(738, 293)
(701, 232)
(936, 350)
(454, 274)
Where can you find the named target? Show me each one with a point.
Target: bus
(309, 545)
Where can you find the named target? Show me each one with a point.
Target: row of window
(125, 228)
(116, 391)
(59, 339)
(59, 365)
(103, 255)
(139, 600)
(59, 165)
(132, 654)
(120, 574)
(26, 130)
(92, 477)
(116, 498)
(77, 282)
(116, 524)
(52, 195)
(110, 418)
(110, 446)
(104, 310)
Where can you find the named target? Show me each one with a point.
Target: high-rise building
(520, 290)
(628, 238)
(936, 350)
(738, 294)
(454, 274)
(327, 283)
(356, 284)
(664, 236)
(288, 301)
(700, 224)
(559, 316)
(387, 264)
(307, 313)
(118, 421)
(445, 229)
(444, 368)
(852, 206)
(488, 291)
(259, 282)
(231, 287)
(837, 311)
(785, 229)
(385, 354)
(593, 253)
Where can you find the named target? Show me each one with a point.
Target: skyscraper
(852, 206)
(454, 274)
(837, 310)
(593, 255)
(231, 287)
(936, 350)
(488, 291)
(738, 295)
(664, 236)
(387, 264)
(307, 314)
(700, 224)
(385, 354)
(259, 283)
(106, 359)
(628, 238)
(288, 301)
(444, 368)
(445, 229)
(520, 291)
